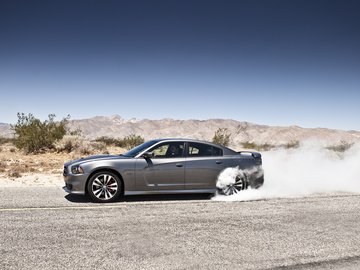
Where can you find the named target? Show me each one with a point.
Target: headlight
(77, 169)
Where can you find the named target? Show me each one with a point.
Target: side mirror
(148, 155)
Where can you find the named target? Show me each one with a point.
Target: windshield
(133, 152)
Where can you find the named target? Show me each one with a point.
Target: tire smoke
(309, 169)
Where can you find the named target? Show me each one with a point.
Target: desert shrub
(131, 141)
(4, 140)
(16, 170)
(109, 141)
(341, 147)
(127, 142)
(3, 166)
(12, 150)
(265, 147)
(292, 144)
(79, 145)
(88, 147)
(14, 174)
(34, 135)
(98, 146)
(249, 145)
(84, 149)
(75, 132)
(68, 143)
(68, 147)
(222, 136)
(258, 147)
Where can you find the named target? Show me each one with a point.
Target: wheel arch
(105, 169)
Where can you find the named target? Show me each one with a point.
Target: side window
(193, 151)
(217, 151)
(203, 150)
(168, 150)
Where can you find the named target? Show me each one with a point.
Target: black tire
(241, 183)
(104, 187)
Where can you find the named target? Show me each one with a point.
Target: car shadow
(144, 198)
(77, 198)
(167, 197)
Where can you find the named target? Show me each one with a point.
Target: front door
(164, 171)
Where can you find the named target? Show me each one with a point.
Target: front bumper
(66, 189)
(75, 183)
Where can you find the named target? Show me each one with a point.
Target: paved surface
(43, 229)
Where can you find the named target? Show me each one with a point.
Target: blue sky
(269, 62)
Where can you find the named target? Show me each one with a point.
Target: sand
(32, 180)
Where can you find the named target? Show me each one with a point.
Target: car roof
(226, 151)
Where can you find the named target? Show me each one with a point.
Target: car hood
(93, 158)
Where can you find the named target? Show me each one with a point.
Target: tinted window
(217, 151)
(133, 152)
(203, 150)
(168, 150)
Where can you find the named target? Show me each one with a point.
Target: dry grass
(3, 166)
(14, 174)
(15, 163)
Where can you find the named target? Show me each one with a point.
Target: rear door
(203, 164)
(164, 171)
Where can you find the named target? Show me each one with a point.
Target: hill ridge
(242, 131)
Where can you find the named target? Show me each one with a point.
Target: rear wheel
(241, 183)
(104, 187)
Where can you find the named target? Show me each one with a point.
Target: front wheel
(104, 187)
(241, 183)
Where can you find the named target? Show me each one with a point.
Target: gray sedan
(163, 166)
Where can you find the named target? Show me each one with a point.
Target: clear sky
(269, 62)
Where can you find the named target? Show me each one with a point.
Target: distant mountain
(115, 126)
(5, 130)
(118, 127)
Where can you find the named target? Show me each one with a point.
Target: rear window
(203, 150)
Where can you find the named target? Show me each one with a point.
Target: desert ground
(18, 169)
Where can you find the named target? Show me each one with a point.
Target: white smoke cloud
(307, 170)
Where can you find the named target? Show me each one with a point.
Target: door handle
(218, 162)
(179, 164)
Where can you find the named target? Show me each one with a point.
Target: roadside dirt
(20, 169)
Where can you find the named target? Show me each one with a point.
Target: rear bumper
(257, 182)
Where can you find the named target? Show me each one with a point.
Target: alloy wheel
(104, 187)
(240, 184)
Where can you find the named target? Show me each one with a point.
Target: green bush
(222, 136)
(33, 135)
(258, 147)
(109, 141)
(132, 140)
(127, 142)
